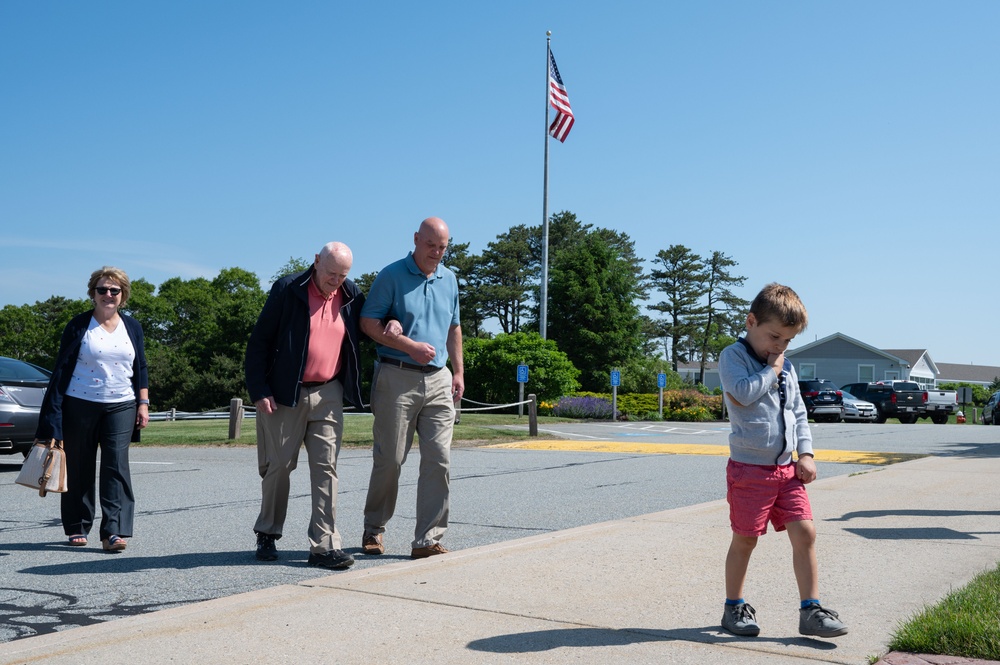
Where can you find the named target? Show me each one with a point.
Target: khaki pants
(405, 401)
(318, 422)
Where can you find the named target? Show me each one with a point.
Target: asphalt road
(196, 507)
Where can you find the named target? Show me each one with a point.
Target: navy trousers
(87, 427)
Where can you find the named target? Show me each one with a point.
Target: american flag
(560, 127)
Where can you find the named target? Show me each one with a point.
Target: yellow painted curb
(841, 456)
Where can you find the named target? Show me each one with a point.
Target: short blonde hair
(117, 275)
(781, 304)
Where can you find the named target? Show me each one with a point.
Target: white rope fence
(236, 413)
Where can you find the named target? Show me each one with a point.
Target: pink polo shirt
(326, 335)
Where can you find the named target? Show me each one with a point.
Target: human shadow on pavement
(546, 640)
(910, 512)
(98, 562)
(914, 533)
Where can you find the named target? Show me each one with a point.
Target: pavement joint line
(873, 458)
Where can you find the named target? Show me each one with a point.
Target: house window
(807, 371)
(891, 375)
(866, 373)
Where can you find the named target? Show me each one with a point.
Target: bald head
(332, 264)
(429, 244)
(338, 249)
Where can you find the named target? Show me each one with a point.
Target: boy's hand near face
(805, 469)
(777, 362)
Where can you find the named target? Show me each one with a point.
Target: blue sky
(848, 149)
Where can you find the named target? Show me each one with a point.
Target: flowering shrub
(678, 405)
(545, 408)
(583, 407)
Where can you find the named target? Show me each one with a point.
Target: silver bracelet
(144, 401)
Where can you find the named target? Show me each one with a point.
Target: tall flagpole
(544, 293)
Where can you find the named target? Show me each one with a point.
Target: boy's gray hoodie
(759, 424)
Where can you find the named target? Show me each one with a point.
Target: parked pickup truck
(940, 403)
(905, 400)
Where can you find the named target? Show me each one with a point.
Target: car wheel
(880, 417)
(835, 419)
(908, 419)
(939, 419)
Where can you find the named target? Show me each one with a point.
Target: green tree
(680, 277)
(593, 316)
(721, 308)
(466, 268)
(292, 266)
(507, 272)
(491, 368)
(639, 376)
(23, 335)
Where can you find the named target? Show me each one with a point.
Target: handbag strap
(50, 459)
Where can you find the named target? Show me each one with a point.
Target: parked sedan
(824, 401)
(22, 386)
(990, 410)
(858, 410)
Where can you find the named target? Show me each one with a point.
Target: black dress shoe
(334, 560)
(266, 551)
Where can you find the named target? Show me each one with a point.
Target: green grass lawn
(965, 623)
(473, 429)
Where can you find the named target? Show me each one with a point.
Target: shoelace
(823, 612)
(746, 612)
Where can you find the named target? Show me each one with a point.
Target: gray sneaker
(741, 619)
(819, 621)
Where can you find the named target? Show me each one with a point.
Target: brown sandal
(114, 544)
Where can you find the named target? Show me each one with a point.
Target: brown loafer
(372, 544)
(424, 552)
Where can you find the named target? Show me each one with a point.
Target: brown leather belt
(426, 369)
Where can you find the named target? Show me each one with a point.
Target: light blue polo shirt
(426, 307)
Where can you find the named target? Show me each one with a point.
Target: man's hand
(805, 469)
(393, 329)
(457, 387)
(422, 352)
(266, 405)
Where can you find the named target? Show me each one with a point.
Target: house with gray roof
(842, 360)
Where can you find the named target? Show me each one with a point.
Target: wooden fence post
(532, 415)
(235, 417)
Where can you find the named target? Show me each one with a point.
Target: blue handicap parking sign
(522, 373)
(661, 380)
(616, 378)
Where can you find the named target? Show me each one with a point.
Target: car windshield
(17, 370)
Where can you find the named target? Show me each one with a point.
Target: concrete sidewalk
(643, 590)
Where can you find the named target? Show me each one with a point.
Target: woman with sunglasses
(98, 397)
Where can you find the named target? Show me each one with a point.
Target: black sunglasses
(103, 290)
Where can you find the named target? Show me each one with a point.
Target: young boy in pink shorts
(768, 421)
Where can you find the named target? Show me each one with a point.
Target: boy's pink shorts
(759, 493)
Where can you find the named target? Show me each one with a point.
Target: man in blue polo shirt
(412, 389)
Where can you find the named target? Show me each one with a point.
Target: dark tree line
(196, 330)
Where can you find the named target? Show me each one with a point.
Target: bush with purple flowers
(594, 408)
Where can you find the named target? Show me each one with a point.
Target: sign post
(616, 380)
(522, 378)
(661, 382)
